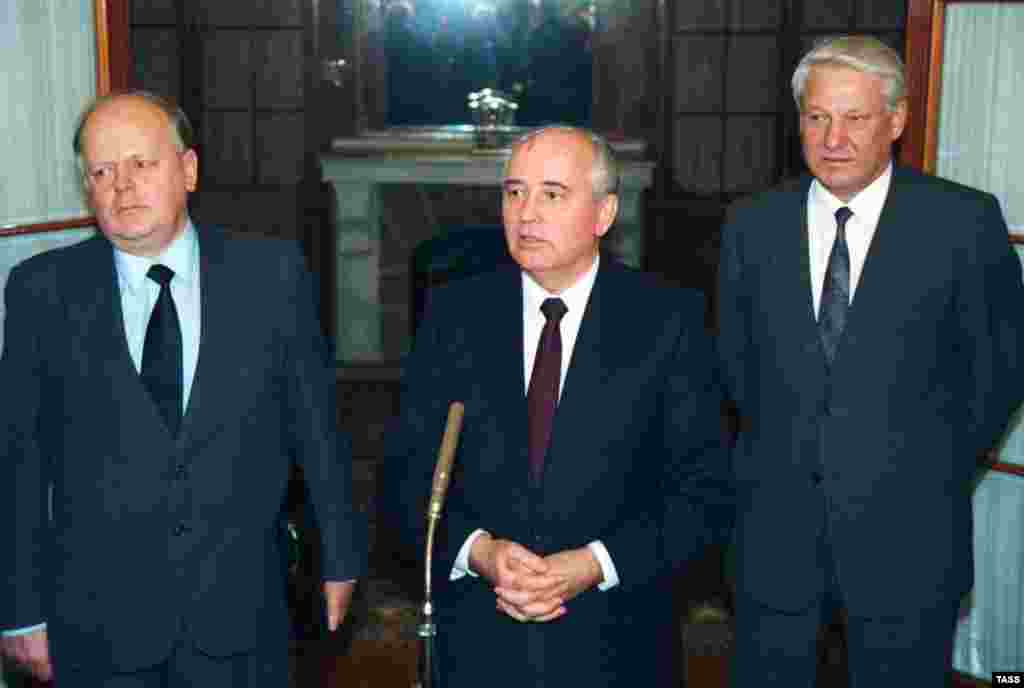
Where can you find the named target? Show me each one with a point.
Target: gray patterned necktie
(835, 292)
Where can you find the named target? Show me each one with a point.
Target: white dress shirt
(860, 229)
(575, 298)
(138, 297)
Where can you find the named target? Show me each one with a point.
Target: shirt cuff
(611, 576)
(23, 631)
(461, 567)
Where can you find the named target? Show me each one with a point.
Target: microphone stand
(429, 676)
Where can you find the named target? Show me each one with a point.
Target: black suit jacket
(878, 455)
(152, 534)
(635, 461)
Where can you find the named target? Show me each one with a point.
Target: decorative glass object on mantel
(494, 118)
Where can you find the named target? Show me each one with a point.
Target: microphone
(445, 459)
(429, 674)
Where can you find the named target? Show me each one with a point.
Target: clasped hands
(529, 587)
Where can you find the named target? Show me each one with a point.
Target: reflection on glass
(537, 51)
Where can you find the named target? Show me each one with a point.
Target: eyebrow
(508, 183)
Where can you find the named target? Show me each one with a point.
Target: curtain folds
(49, 55)
(979, 144)
(982, 103)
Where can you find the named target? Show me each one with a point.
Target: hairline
(864, 54)
(176, 120)
(604, 171)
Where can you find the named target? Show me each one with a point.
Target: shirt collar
(182, 256)
(575, 297)
(866, 205)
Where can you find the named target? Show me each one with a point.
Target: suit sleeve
(429, 384)
(310, 409)
(695, 504)
(731, 311)
(24, 479)
(991, 300)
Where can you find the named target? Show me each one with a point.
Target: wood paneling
(881, 14)
(749, 153)
(157, 65)
(755, 15)
(277, 58)
(227, 139)
(753, 75)
(827, 15)
(228, 68)
(699, 69)
(923, 48)
(698, 161)
(279, 147)
(700, 15)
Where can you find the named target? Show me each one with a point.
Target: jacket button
(817, 478)
(181, 471)
(181, 529)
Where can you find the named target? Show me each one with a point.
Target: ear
(190, 161)
(606, 214)
(899, 119)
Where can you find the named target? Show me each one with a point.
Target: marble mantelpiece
(358, 168)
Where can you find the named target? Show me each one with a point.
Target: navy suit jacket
(152, 534)
(635, 460)
(877, 457)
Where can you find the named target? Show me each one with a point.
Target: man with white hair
(869, 326)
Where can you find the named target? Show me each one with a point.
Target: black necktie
(542, 396)
(835, 292)
(161, 354)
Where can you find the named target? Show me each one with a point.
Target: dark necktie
(835, 292)
(161, 353)
(542, 396)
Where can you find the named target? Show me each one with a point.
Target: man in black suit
(157, 382)
(565, 515)
(870, 324)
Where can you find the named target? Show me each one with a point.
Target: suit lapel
(793, 265)
(94, 309)
(596, 352)
(506, 385)
(804, 251)
(215, 352)
(884, 265)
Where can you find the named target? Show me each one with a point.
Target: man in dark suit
(157, 382)
(564, 515)
(870, 324)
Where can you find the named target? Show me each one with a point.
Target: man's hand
(31, 651)
(577, 568)
(523, 582)
(338, 596)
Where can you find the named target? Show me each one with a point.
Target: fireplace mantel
(357, 168)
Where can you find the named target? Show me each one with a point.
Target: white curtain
(980, 144)
(48, 51)
(982, 106)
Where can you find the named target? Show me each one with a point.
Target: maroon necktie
(542, 396)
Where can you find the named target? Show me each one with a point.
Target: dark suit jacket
(150, 534)
(635, 460)
(879, 456)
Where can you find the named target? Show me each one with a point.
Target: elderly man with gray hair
(591, 462)
(869, 329)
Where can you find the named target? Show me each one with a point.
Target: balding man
(590, 462)
(157, 382)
